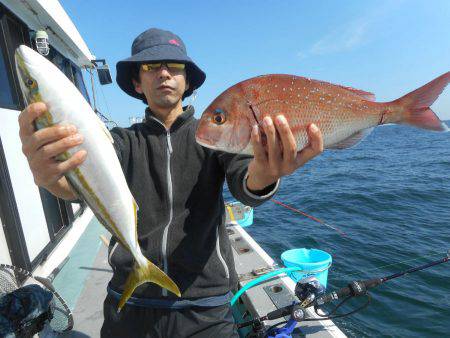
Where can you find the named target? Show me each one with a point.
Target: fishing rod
(311, 293)
(343, 234)
(358, 288)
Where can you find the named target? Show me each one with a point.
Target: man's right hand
(41, 148)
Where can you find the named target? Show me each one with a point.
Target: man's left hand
(280, 157)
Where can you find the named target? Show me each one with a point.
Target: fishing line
(343, 234)
(389, 265)
(107, 108)
(103, 117)
(91, 73)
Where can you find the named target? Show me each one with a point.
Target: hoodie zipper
(169, 151)
(219, 254)
(169, 189)
(111, 253)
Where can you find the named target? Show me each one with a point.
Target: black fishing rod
(358, 288)
(311, 293)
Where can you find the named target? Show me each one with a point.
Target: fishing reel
(307, 291)
(311, 294)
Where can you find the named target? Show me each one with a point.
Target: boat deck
(88, 311)
(250, 260)
(82, 283)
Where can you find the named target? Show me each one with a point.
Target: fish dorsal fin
(352, 140)
(105, 130)
(366, 95)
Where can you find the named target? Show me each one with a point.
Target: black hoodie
(177, 185)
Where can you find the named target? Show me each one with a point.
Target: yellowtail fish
(343, 114)
(99, 180)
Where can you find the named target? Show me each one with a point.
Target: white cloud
(342, 39)
(350, 35)
(302, 55)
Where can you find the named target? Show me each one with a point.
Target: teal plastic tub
(313, 262)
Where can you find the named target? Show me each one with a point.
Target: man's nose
(164, 71)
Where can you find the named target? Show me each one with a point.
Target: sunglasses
(171, 66)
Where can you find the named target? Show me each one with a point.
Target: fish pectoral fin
(143, 274)
(135, 204)
(352, 140)
(105, 130)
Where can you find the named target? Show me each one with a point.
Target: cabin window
(61, 62)
(12, 34)
(79, 82)
(72, 72)
(6, 96)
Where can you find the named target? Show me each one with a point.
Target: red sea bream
(343, 114)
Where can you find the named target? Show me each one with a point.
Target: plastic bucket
(309, 260)
(238, 213)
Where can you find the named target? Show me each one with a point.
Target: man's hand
(42, 146)
(281, 157)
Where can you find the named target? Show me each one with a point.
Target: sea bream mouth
(207, 144)
(223, 140)
(208, 136)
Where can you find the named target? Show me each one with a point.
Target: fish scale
(316, 109)
(344, 115)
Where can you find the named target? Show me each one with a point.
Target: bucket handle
(315, 271)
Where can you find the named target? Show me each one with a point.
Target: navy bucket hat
(157, 45)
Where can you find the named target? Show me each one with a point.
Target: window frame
(8, 55)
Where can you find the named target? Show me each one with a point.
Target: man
(178, 186)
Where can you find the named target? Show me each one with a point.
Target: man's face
(163, 87)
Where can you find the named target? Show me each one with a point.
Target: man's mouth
(165, 87)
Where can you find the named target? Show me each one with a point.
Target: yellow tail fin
(143, 274)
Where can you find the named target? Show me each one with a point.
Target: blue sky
(387, 47)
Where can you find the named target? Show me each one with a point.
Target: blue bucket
(309, 260)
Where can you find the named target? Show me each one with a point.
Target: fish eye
(219, 117)
(30, 82)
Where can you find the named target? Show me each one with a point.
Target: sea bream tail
(416, 109)
(141, 274)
